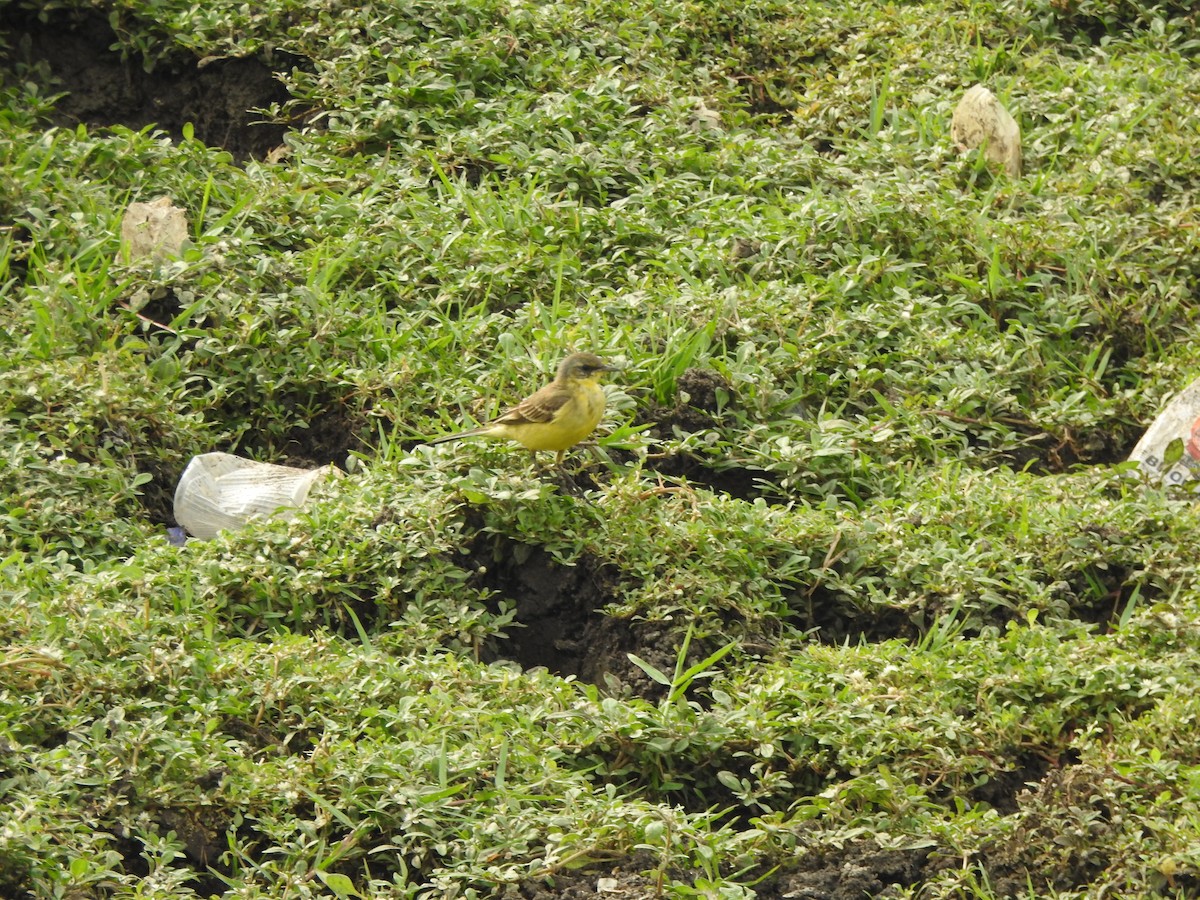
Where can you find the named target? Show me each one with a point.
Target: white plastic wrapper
(980, 121)
(1169, 451)
(220, 490)
(156, 229)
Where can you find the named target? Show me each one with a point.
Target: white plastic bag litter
(1170, 449)
(220, 490)
(980, 121)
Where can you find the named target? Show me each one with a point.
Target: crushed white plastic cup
(1169, 451)
(222, 491)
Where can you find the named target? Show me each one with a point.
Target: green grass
(888, 589)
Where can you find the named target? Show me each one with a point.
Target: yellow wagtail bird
(558, 416)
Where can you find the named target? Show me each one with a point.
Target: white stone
(980, 121)
(156, 229)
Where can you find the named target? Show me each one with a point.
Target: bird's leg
(567, 483)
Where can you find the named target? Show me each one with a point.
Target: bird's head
(583, 367)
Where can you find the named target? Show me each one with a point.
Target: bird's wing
(538, 408)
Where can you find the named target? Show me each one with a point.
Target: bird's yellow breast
(574, 421)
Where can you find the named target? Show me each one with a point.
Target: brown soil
(73, 53)
(856, 871)
(697, 407)
(560, 623)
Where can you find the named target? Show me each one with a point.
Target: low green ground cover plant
(855, 578)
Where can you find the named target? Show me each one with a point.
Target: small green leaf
(731, 781)
(339, 884)
(649, 669)
(1173, 453)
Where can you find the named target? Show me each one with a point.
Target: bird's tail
(457, 435)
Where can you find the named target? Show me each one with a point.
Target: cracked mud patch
(72, 54)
